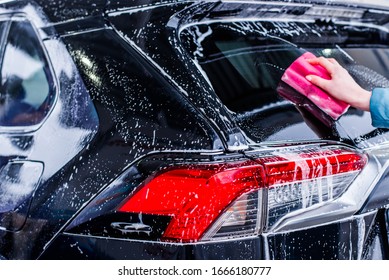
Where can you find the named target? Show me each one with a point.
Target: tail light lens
(200, 202)
(301, 179)
(227, 198)
(195, 196)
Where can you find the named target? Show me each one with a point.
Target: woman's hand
(341, 86)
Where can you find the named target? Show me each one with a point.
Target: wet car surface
(159, 130)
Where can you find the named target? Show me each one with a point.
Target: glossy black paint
(127, 90)
(76, 247)
(335, 241)
(71, 125)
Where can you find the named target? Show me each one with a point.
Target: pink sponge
(295, 75)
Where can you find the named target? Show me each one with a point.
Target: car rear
(204, 158)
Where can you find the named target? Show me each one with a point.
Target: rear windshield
(244, 61)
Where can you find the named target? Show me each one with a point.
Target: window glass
(26, 92)
(244, 61)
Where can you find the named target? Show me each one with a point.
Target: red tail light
(224, 200)
(194, 196)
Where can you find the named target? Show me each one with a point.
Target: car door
(27, 96)
(45, 116)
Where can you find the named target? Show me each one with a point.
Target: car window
(244, 62)
(27, 91)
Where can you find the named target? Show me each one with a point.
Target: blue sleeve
(379, 107)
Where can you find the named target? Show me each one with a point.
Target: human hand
(341, 86)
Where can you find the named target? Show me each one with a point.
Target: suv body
(159, 130)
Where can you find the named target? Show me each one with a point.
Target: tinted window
(244, 63)
(27, 90)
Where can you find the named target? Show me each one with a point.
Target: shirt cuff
(379, 107)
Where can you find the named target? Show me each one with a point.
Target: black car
(162, 130)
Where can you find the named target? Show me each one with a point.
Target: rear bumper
(83, 247)
(360, 237)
